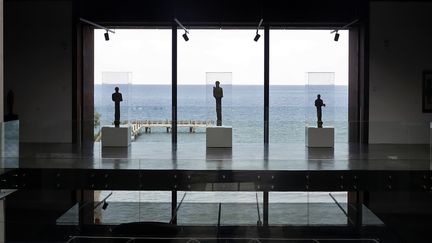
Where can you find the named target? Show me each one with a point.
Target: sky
(146, 55)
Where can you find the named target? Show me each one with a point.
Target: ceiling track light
(106, 34)
(185, 36)
(336, 37)
(257, 36)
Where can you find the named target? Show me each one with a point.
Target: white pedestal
(116, 136)
(219, 137)
(320, 137)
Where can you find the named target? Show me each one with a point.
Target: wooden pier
(146, 126)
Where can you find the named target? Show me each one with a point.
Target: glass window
(221, 51)
(145, 55)
(294, 56)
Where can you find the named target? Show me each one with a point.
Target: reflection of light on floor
(392, 157)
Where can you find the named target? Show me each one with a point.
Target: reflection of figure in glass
(218, 94)
(117, 98)
(319, 104)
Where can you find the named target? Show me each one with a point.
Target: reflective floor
(192, 156)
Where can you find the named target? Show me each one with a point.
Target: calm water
(291, 108)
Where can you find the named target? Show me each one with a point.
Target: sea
(291, 108)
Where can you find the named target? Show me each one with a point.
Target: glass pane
(145, 54)
(232, 51)
(117, 207)
(306, 208)
(236, 208)
(293, 55)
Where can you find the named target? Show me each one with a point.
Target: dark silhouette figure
(218, 94)
(319, 104)
(117, 98)
(10, 100)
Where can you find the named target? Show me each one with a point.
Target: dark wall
(38, 68)
(405, 214)
(31, 215)
(400, 51)
(221, 11)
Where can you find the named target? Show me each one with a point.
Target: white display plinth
(116, 136)
(219, 137)
(320, 137)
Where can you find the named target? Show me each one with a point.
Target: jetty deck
(146, 126)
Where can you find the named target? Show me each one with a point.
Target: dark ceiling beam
(221, 12)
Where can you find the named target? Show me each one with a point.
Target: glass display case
(322, 84)
(113, 91)
(320, 103)
(219, 98)
(219, 131)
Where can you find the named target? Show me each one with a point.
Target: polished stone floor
(195, 156)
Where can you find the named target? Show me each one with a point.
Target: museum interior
(216, 121)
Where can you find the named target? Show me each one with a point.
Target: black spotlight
(257, 36)
(105, 205)
(106, 36)
(336, 38)
(185, 37)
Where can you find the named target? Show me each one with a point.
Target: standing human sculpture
(117, 98)
(218, 94)
(319, 104)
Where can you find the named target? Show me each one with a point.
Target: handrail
(341, 208)
(219, 220)
(177, 208)
(5, 193)
(219, 214)
(259, 223)
(102, 201)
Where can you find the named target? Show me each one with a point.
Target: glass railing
(221, 209)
